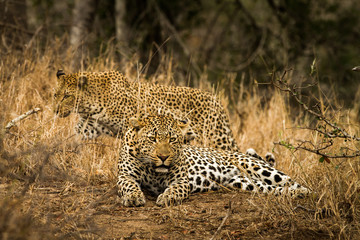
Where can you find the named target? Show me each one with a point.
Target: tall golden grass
(43, 148)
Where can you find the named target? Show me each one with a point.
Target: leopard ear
(186, 130)
(184, 125)
(59, 73)
(82, 82)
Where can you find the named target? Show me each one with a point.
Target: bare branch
(326, 127)
(283, 86)
(317, 150)
(19, 118)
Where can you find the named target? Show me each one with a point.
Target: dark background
(250, 38)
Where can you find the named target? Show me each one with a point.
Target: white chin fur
(161, 170)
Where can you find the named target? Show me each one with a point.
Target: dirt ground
(83, 211)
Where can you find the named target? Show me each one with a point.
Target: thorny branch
(325, 127)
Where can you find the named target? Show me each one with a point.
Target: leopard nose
(163, 158)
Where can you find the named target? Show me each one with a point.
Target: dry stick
(223, 222)
(304, 208)
(19, 118)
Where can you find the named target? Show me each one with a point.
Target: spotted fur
(106, 100)
(154, 157)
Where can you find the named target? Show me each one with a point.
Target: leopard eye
(172, 139)
(153, 139)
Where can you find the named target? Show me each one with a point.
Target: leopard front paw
(133, 200)
(166, 199)
(163, 200)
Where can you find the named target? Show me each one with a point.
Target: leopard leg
(130, 192)
(90, 128)
(130, 172)
(174, 194)
(248, 184)
(251, 184)
(292, 189)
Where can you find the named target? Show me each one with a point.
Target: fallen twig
(223, 221)
(19, 118)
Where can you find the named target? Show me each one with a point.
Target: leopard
(105, 101)
(154, 159)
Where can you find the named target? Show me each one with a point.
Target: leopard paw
(133, 200)
(167, 200)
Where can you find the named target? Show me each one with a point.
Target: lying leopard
(106, 100)
(153, 157)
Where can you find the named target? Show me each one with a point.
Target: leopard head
(68, 92)
(158, 140)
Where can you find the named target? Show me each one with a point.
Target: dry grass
(55, 185)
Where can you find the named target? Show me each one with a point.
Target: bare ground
(83, 211)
